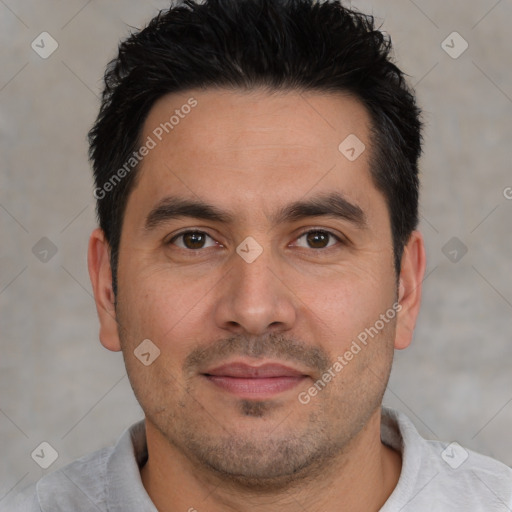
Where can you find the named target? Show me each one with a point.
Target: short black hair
(296, 45)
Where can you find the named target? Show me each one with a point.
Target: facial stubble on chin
(273, 462)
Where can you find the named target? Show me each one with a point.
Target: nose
(254, 298)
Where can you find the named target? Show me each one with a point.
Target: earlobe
(100, 273)
(409, 289)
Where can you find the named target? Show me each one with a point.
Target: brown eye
(193, 240)
(318, 239)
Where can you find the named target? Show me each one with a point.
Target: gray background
(59, 385)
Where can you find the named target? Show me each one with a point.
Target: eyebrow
(328, 205)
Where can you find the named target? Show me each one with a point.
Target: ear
(409, 292)
(98, 260)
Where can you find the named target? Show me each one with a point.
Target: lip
(245, 371)
(256, 382)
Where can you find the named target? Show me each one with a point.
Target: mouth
(256, 382)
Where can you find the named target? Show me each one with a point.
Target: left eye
(318, 239)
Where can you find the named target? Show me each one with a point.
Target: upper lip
(243, 370)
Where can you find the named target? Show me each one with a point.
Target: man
(257, 262)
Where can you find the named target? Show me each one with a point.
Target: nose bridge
(255, 280)
(253, 298)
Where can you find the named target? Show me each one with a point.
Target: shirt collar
(125, 490)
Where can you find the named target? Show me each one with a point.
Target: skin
(301, 304)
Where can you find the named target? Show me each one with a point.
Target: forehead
(254, 145)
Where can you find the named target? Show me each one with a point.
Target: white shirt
(435, 476)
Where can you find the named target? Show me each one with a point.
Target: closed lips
(244, 371)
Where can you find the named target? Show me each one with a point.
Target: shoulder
(444, 476)
(104, 480)
(78, 486)
(25, 501)
(474, 481)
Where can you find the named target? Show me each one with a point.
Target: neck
(360, 478)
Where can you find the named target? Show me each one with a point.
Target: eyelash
(314, 230)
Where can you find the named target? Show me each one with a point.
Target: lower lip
(255, 388)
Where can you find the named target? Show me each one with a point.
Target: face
(251, 239)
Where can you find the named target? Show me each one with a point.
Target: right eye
(192, 240)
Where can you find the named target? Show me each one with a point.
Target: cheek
(349, 299)
(162, 306)
(152, 309)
